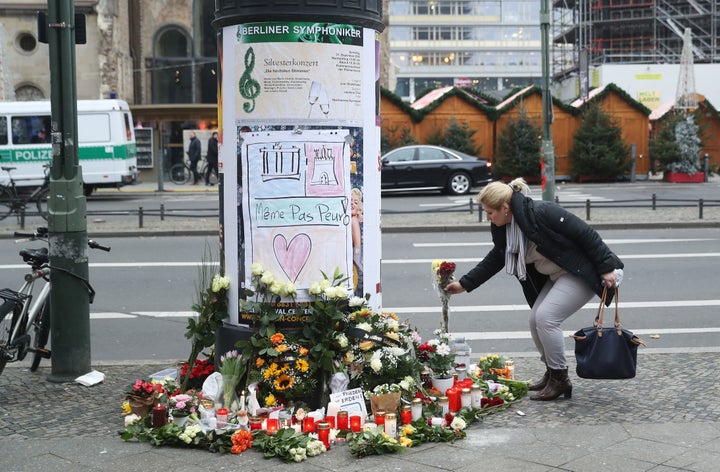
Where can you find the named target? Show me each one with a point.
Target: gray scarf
(515, 251)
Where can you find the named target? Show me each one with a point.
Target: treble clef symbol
(249, 87)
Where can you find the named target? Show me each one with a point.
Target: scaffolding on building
(632, 32)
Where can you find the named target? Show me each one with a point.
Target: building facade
(488, 45)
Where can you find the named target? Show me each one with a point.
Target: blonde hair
(496, 193)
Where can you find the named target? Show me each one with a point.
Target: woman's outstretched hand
(454, 288)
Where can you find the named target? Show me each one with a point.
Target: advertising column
(300, 152)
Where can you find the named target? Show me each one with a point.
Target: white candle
(332, 409)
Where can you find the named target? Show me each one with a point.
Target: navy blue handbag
(606, 353)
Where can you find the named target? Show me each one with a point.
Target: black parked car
(425, 167)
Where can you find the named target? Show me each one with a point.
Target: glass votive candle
(323, 432)
(380, 418)
(272, 425)
(416, 408)
(342, 420)
(444, 404)
(406, 414)
(465, 398)
(355, 423)
(510, 366)
(222, 417)
(255, 423)
(242, 418)
(331, 421)
(308, 424)
(391, 425)
(476, 396)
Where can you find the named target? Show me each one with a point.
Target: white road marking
(524, 307)
(607, 241)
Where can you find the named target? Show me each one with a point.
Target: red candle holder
(355, 423)
(380, 418)
(308, 424)
(323, 432)
(406, 414)
(331, 421)
(272, 425)
(159, 416)
(255, 423)
(342, 420)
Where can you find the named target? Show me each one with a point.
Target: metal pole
(548, 151)
(69, 300)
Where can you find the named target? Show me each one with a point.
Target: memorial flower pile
(284, 372)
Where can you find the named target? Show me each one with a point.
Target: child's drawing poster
(296, 208)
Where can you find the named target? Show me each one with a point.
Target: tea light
(391, 425)
(380, 418)
(222, 417)
(323, 432)
(476, 396)
(308, 424)
(342, 420)
(465, 398)
(272, 425)
(416, 408)
(355, 423)
(406, 415)
(255, 423)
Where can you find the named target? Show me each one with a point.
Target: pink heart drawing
(292, 256)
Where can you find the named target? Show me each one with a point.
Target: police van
(106, 147)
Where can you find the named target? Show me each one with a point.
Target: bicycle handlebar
(42, 233)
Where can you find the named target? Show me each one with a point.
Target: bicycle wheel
(180, 174)
(41, 202)
(42, 333)
(6, 326)
(6, 202)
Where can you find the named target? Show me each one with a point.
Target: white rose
(267, 278)
(364, 326)
(356, 302)
(276, 287)
(392, 325)
(340, 292)
(130, 419)
(342, 341)
(376, 365)
(288, 289)
(324, 283)
(458, 424)
(256, 268)
(315, 288)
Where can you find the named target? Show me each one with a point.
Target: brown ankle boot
(540, 384)
(558, 384)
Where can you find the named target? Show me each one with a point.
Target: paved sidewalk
(666, 419)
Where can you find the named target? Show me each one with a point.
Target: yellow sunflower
(302, 365)
(284, 382)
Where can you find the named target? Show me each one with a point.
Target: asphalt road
(145, 288)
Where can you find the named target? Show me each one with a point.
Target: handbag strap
(601, 312)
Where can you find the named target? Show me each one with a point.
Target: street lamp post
(548, 151)
(69, 299)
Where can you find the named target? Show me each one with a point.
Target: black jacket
(212, 150)
(194, 150)
(560, 236)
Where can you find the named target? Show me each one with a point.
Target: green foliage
(173, 435)
(372, 442)
(598, 147)
(677, 144)
(424, 432)
(456, 136)
(396, 137)
(519, 149)
(285, 444)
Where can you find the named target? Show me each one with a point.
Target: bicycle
(181, 174)
(13, 201)
(25, 318)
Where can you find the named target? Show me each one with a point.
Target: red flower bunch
(426, 349)
(143, 388)
(446, 270)
(200, 371)
(241, 441)
(491, 402)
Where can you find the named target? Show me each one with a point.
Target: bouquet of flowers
(436, 354)
(142, 395)
(230, 369)
(386, 397)
(200, 371)
(381, 349)
(285, 370)
(183, 404)
(442, 272)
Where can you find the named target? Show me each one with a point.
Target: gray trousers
(556, 302)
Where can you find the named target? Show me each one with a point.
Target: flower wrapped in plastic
(442, 274)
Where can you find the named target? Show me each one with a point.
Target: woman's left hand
(609, 279)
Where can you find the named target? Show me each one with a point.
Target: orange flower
(303, 351)
(366, 345)
(241, 441)
(277, 338)
(282, 348)
(259, 362)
